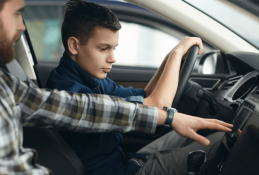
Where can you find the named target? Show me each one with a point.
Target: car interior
(230, 95)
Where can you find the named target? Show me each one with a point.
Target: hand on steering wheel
(190, 58)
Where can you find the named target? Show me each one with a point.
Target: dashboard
(240, 148)
(245, 85)
(237, 87)
(246, 65)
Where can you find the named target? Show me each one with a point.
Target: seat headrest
(16, 70)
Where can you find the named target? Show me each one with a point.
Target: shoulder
(7, 81)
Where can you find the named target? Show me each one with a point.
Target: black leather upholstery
(43, 70)
(53, 152)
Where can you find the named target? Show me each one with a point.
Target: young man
(90, 34)
(21, 104)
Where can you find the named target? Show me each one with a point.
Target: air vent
(231, 82)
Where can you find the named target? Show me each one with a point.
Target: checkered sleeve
(85, 113)
(14, 159)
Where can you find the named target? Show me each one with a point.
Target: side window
(139, 45)
(142, 46)
(43, 24)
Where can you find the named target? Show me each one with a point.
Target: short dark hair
(81, 18)
(2, 4)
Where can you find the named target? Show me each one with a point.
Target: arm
(83, 113)
(165, 81)
(153, 82)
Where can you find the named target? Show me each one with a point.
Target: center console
(238, 152)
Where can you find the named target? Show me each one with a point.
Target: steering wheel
(190, 58)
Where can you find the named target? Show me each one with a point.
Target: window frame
(132, 14)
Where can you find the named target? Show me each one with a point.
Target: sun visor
(243, 62)
(137, 2)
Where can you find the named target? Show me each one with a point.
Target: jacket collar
(68, 67)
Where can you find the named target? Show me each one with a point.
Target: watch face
(165, 108)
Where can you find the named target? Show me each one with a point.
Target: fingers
(199, 44)
(196, 41)
(200, 139)
(220, 122)
(216, 126)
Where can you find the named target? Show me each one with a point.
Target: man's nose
(21, 26)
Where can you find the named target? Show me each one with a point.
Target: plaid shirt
(22, 104)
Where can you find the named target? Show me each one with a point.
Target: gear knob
(203, 95)
(194, 161)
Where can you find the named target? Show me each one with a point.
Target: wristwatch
(170, 115)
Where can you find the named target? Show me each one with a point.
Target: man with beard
(21, 104)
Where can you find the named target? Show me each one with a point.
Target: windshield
(236, 18)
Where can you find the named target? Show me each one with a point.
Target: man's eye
(105, 48)
(18, 13)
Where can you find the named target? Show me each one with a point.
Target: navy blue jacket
(99, 153)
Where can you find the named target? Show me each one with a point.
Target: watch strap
(170, 116)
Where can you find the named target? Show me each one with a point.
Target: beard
(6, 46)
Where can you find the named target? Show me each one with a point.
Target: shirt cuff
(147, 119)
(135, 99)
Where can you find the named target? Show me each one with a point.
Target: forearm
(153, 82)
(161, 117)
(165, 90)
(83, 113)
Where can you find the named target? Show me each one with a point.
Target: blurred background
(145, 38)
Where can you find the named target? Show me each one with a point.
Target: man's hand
(187, 126)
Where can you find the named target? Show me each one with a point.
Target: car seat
(53, 152)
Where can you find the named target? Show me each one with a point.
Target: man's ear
(73, 44)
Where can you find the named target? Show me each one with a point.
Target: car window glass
(139, 45)
(43, 24)
(142, 46)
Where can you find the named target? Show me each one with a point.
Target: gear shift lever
(203, 95)
(194, 161)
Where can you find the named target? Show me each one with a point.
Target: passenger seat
(53, 152)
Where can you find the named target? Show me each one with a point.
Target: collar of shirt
(67, 66)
